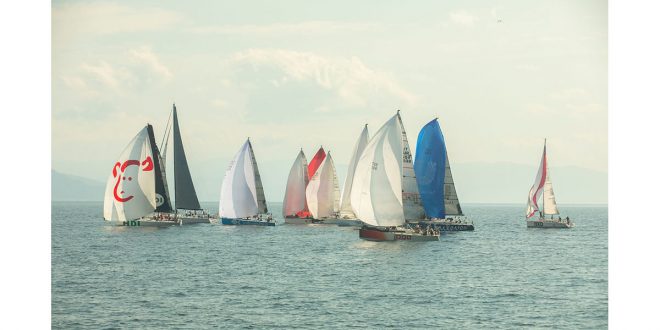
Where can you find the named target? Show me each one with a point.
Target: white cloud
(463, 18)
(279, 29)
(147, 57)
(75, 20)
(349, 78)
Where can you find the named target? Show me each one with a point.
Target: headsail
(130, 192)
(376, 194)
(412, 202)
(294, 196)
(537, 187)
(322, 192)
(184, 190)
(346, 209)
(315, 163)
(434, 179)
(238, 197)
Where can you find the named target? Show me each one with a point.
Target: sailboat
(188, 210)
(294, 206)
(322, 192)
(346, 215)
(435, 182)
(242, 199)
(543, 186)
(384, 193)
(136, 190)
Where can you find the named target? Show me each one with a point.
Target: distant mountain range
(66, 187)
(475, 183)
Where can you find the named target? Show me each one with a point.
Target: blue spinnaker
(430, 158)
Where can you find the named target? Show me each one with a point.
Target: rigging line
(167, 126)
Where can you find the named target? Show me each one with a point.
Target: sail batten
(184, 189)
(346, 209)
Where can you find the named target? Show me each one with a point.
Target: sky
(500, 76)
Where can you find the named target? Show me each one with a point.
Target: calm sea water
(502, 275)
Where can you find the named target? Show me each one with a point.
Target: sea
(500, 276)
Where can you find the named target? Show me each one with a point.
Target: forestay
(130, 190)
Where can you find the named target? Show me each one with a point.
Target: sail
(130, 192)
(537, 187)
(434, 179)
(163, 201)
(294, 196)
(315, 163)
(346, 210)
(322, 192)
(238, 196)
(549, 203)
(184, 190)
(376, 194)
(412, 202)
(261, 197)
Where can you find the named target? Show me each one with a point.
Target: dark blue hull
(447, 226)
(230, 221)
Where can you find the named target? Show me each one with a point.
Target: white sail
(346, 210)
(294, 196)
(238, 197)
(322, 192)
(130, 192)
(452, 205)
(376, 194)
(535, 191)
(549, 203)
(413, 209)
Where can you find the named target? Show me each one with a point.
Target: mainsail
(130, 191)
(322, 192)
(184, 190)
(242, 192)
(537, 187)
(376, 194)
(294, 196)
(412, 202)
(434, 179)
(163, 200)
(315, 162)
(346, 210)
(549, 203)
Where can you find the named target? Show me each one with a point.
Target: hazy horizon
(500, 78)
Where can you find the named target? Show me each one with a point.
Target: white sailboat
(294, 206)
(136, 186)
(242, 199)
(187, 208)
(543, 186)
(347, 216)
(322, 192)
(384, 192)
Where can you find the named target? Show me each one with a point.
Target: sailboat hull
(378, 235)
(444, 225)
(253, 222)
(344, 222)
(549, 224)
(143, 223)
(194, 220)
(300, 221)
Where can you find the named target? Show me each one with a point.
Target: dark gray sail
(184, 190)
(163, 203)
(261, 197)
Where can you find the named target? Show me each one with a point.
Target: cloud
(76, 20)
(278, 29)
(463, 18)
(147, 57)
(348, 78)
